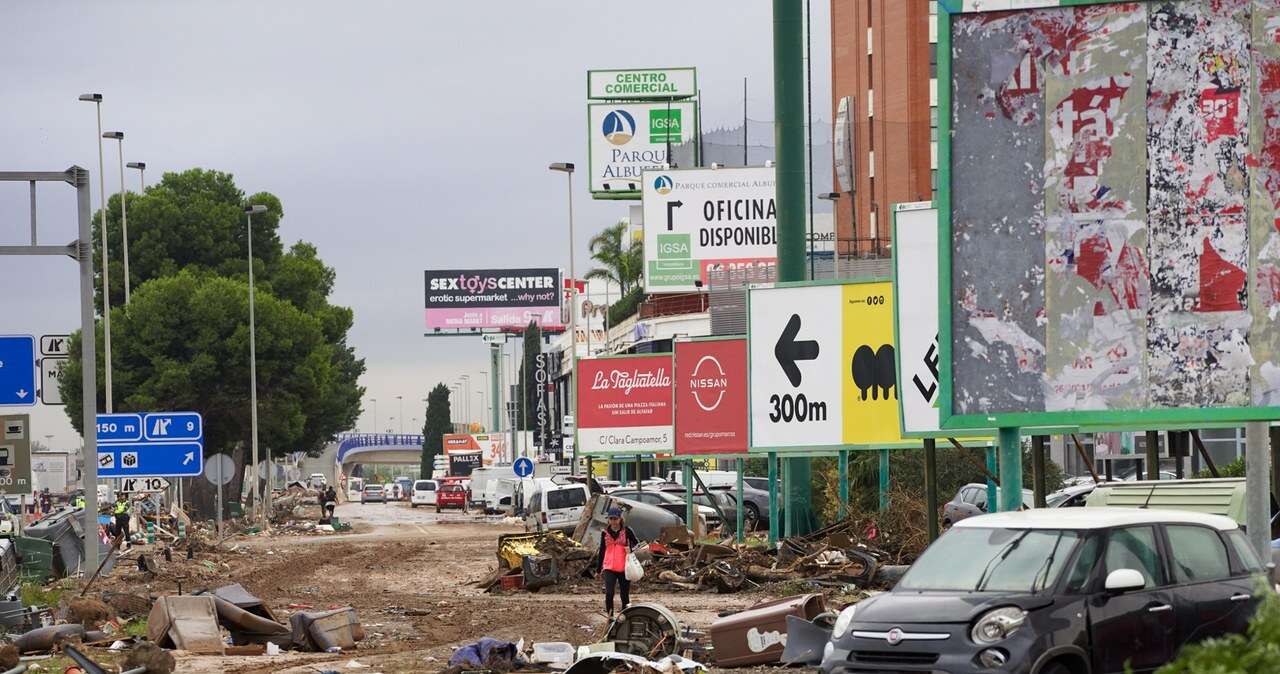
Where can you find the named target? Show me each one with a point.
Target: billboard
(822, 366)
(642, 83)
(1132, 276)
(711, 396)
(624, 139)
(702, 220)
(624, 405)
(915, 273)
(478, 299)
(491, 448)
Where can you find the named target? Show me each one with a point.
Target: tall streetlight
(118, 136)
(400, 399)
(96, 99)
(567, 169)
(466, 395)
(141, 166)
(249, 212)
(484, 399)
(455, 415)
(834, 198)
(425, 404)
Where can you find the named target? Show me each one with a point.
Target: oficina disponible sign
(475, 299)
(711, 397)
(624, 405)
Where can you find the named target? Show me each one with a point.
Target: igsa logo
(619, 127)
(708, 383)
(662, 184)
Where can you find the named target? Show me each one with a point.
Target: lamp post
(466, 395)
(484, 399)
(400, 399)
(118, 136)
(142, 174)
(567, 169)
(249, 212)
(455, 416)
(834, 198)
(96, 99)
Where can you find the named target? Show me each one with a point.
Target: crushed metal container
(186, 622)
(758, 635)
(320, 631)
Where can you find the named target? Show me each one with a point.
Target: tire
(752, 516)
(946, 524)
(1056, 667)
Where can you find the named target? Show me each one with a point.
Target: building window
(933, 180)
(933, 7)
(933, 116)
(868, 40)
(933, 134)
(933, 60)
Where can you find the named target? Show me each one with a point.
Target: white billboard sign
(843, 145)
(915, 268)
(796, 366)
(642, 83)
(627, 138)
(701, 220)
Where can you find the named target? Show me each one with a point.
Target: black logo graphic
(874, 371)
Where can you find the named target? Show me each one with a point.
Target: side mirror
(1124, 580)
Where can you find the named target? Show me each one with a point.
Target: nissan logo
(893, 636)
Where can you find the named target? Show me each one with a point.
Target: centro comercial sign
(642, 84)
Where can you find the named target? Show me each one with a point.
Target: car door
(1210, 599)
(1136, 629)
(954, 510)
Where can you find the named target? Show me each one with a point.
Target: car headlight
(843, 622)
(997, 625)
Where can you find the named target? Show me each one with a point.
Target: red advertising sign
(624, 405)
(711, 397)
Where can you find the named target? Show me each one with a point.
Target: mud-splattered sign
(1111, 208)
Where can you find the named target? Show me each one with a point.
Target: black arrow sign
(671, 207)
(788, 350)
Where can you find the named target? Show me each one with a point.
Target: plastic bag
(634, 570)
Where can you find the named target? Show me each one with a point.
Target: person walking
(121, 512)
(616, 542)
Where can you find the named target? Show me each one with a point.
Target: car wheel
(437, 508)
(751, 516)
(946, 523)
(1056, 668)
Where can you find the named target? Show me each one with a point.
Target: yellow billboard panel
(869, 387)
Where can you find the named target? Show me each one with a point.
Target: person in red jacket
(616, 541)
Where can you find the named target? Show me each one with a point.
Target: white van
(711, 478)
(500, 495)
(424, 493)
(482, 477)
(553, 506)
(355, 489)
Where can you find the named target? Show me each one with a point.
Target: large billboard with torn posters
(1110, 248)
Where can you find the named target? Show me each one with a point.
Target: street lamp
(142, 173)
(567, 169)
(249, 212)
(834, 198)
(466, 395)
(118, 136)
(96, 99)
(401, 400)
(455, 415)
(485, 416)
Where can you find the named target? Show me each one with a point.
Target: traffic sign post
(143, 484)
(155, 444)
(18, 370)
(523, 467)
(15, 454)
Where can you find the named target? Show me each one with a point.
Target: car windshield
(975, 559)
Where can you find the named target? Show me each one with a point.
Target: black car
(1054, 591)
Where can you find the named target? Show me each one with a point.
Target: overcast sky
(399, 135)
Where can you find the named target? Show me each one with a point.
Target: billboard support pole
(884, 480)
(931, 487)
(740, 534)
(1038, 487)
(688, 492)
(495, 375)
(1153, 454)
(844, 483)
(773, 498)
(1010, 469)
(788, 97)
(1257, 473)
(992, 505)
(1275, 464)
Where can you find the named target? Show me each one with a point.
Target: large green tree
(620, 264)
(437, 422)
(182, 342)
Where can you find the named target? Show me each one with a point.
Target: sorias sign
(624, 404)
(711, 396)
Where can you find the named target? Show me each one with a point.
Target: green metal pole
(688, 493)
(773, 498)
(789, 173)
(1010, 469)
(992, 504)
(1037, 470)
(742, 505)
(495, 375)
(931, 487)
(844, 483)
(788, 525)
(884, 479)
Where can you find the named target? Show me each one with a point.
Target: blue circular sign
(523, 467)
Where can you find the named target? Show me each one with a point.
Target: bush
(626, 306)
(1233, 469)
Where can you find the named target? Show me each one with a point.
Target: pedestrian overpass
(388, 448)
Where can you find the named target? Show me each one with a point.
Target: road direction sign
(50, 377)
(151, 444)
(143, 484)
(15, 454)
(219, 469)
(55, 345)
(523, 467)
(17, 370)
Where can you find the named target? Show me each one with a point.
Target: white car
(424, 493)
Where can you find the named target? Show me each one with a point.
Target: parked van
(710, 478)
(554, 506)
(424, 493)
(355, 489)
(1216, 496)
(483, 476)
(500, 495)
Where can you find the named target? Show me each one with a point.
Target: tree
(437, 422)
(620, 264)
(529, 401)
(183, 344)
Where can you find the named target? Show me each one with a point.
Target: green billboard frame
(1088, 420)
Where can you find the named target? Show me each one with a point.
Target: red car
(452, 496)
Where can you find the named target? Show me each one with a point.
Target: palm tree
(623, 267)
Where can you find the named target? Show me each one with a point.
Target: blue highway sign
(523, 467)
(18, 370)
(159, 444)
